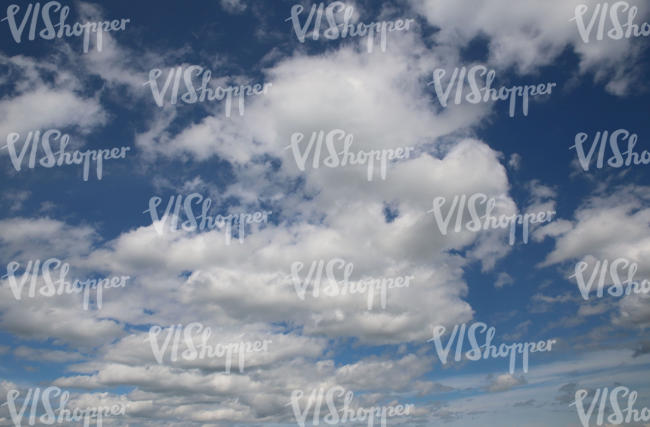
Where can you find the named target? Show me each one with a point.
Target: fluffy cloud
(36, 103)
(246, 289)
(531, 34)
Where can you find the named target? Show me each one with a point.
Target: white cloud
(607, 227)
(504, 382)
(531, 34)
(37, 104)
(503, 279)
(234, 6)
(514, 162)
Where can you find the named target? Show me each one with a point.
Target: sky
(245, 156)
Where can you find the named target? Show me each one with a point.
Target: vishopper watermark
(618, 415)
(207, 222)
(205, 91)
(618, 30)
(600, 141)
(489, 350)
(60, 157)
(487, 221)
(59, 415)
(600, 271)
(60, 286)
(49, 33)
(202, 350)
(335, 288)
(347, 29)
(347, 414)
(344, 157)
(481, 90)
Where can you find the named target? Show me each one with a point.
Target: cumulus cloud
(37, 104)
(530, 34)
(246, 290)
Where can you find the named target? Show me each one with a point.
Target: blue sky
(100, 227)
